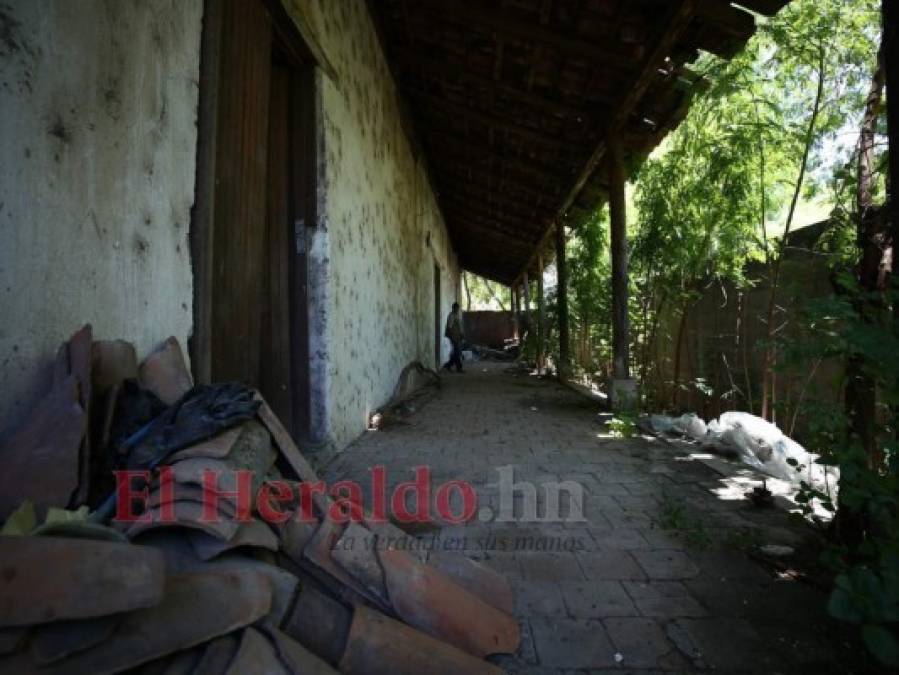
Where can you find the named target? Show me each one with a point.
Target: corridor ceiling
(513, 101)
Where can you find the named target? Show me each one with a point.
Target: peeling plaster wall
(384, 232)
(98, 105)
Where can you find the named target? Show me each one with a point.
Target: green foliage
(479, 293)
(857, 325)
(719, 194)
(590, 298)
(623, 425)
(870, 599)
(675, 516)
(716, 195)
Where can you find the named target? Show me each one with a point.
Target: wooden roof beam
(676, 25)
(459, 145)
(477, 186)
(479, 146)
(519, 230)
(493, 257)
(502, 209)
(428, 66)
(522, 226)
(507, 166)
(516, 204)
(518, 182)
(482, 269)
(488, 237)
(485, 270)
(476, 13)
(500, 124)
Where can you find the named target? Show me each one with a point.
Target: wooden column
(513, 304)
(891, 63)
(562, 300)
(541, 348)
(620, 325)
(526, 311)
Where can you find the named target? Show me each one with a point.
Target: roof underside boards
(512, 102)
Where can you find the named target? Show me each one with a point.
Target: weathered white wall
(379, 214)
(98, 104)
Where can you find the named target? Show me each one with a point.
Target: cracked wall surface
(98, 102)
(385, 232)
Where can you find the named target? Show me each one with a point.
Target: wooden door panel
(239, 237)
(276, 328)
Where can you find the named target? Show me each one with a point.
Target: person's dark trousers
(455, 357)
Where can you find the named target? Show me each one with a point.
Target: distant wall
(380, 232)
(489, 328)
(97, 178)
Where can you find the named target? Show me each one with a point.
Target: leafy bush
(623, 425)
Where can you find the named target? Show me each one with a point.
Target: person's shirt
(454, 329)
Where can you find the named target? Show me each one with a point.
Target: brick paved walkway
(655, 578)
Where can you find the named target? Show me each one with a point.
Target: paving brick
(597, 599)
(667, 564)
(722, 643)
(629, 519)
(635, 579)
(550, 566)
(618, 539)
(670, 608)
(610, 489)
(572, 643)
(640, 503)
(599, 565)
(505, 563)
(729, 565)
(539, 598)
(644, 489)
(641, 642)
(640, 590)
(664, 539)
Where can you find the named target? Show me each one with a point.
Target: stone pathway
(654, 578)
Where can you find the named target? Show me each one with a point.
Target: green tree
(697, 215)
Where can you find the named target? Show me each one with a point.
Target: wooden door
(255, 198)
(275, 356)
(239, 228)
(284, 357)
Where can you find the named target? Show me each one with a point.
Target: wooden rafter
(454, 148)
(678, 20)
(457, 73)
(513, 101)
(508, 179)
(486, 15)
(434, 105)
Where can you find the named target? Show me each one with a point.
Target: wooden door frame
(438, 316)
(289, 41)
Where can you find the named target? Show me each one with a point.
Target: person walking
(455, 332)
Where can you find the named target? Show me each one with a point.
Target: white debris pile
(753, 441)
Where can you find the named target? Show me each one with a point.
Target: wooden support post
(526, 311)
(618, 217)
(541, 348)
(564, 365)
(890, 46)
(891, 63)
(513, 303)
